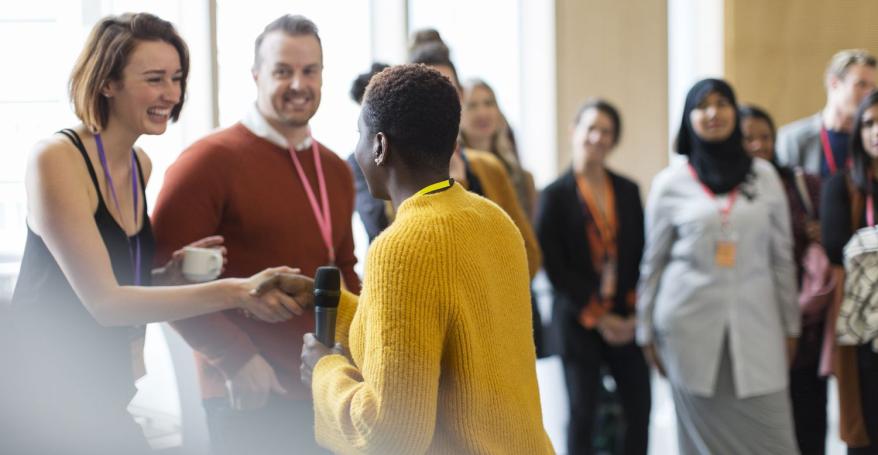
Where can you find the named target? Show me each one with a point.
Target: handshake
(275, 294)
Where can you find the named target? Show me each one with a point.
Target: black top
(65, 346)
(835, 218)
(561, 229)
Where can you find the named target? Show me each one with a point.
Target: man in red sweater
(277, 197)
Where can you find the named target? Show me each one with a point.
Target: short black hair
(752, 111)
(604, 106)
(861, 165)
(418, 110)
(292, 25)
(358, 87)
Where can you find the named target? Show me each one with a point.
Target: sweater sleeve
(656, 254)
(388, 402)
(189, 207)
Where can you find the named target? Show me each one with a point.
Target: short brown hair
(843, 60)
(292, 25)
(106, 52)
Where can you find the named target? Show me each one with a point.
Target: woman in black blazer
(590, 228)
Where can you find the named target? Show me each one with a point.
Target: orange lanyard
(606, 223)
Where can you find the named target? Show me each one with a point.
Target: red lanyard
(827, 151)
(724, 212)
(322, 216)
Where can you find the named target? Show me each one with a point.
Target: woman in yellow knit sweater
(441, 353)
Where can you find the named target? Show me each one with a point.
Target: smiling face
(150, 87)
(289, 79)
(593, 136)
(480, 116)
(713, 119)
(758, 137)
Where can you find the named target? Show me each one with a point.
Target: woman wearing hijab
(717, 310)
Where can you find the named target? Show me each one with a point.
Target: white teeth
(157, 111)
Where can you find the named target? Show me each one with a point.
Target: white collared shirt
(257, 124)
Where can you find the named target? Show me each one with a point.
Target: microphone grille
(328, 278)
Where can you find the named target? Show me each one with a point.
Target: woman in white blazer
(717, 310)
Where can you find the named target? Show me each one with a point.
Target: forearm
(136, 305)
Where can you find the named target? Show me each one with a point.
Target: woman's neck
(406, 185)
(480, 143)
(117, 143)
(592, 171)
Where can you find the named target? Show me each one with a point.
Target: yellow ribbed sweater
(441, 340)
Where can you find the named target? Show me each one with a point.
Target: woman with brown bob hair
(83, 292)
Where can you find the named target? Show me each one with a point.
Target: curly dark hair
(418, 110)
(358, 87)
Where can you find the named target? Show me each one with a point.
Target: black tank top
(56, 333)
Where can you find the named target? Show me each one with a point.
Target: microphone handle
(325, 322)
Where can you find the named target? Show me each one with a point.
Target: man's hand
(172, 273)
(251, 386)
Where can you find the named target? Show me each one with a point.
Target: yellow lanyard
(435, 187)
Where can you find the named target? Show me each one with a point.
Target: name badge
(725, 253)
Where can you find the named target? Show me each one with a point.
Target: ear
(832, 81)
(381, 149)
(108, 90)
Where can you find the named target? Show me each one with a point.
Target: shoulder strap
(140, 173)
(77, 142)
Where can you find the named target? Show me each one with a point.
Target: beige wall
(616, 50)
(776, 50)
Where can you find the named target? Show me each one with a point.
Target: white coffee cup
(202, 264)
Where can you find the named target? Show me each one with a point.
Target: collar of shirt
(257, 124)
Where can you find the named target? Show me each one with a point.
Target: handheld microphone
(327, 290)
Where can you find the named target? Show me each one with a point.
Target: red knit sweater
(238, 185)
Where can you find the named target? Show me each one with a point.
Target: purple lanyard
(133, 253)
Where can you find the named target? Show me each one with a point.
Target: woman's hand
(172, 273)
(616, 330)
(312, 351)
